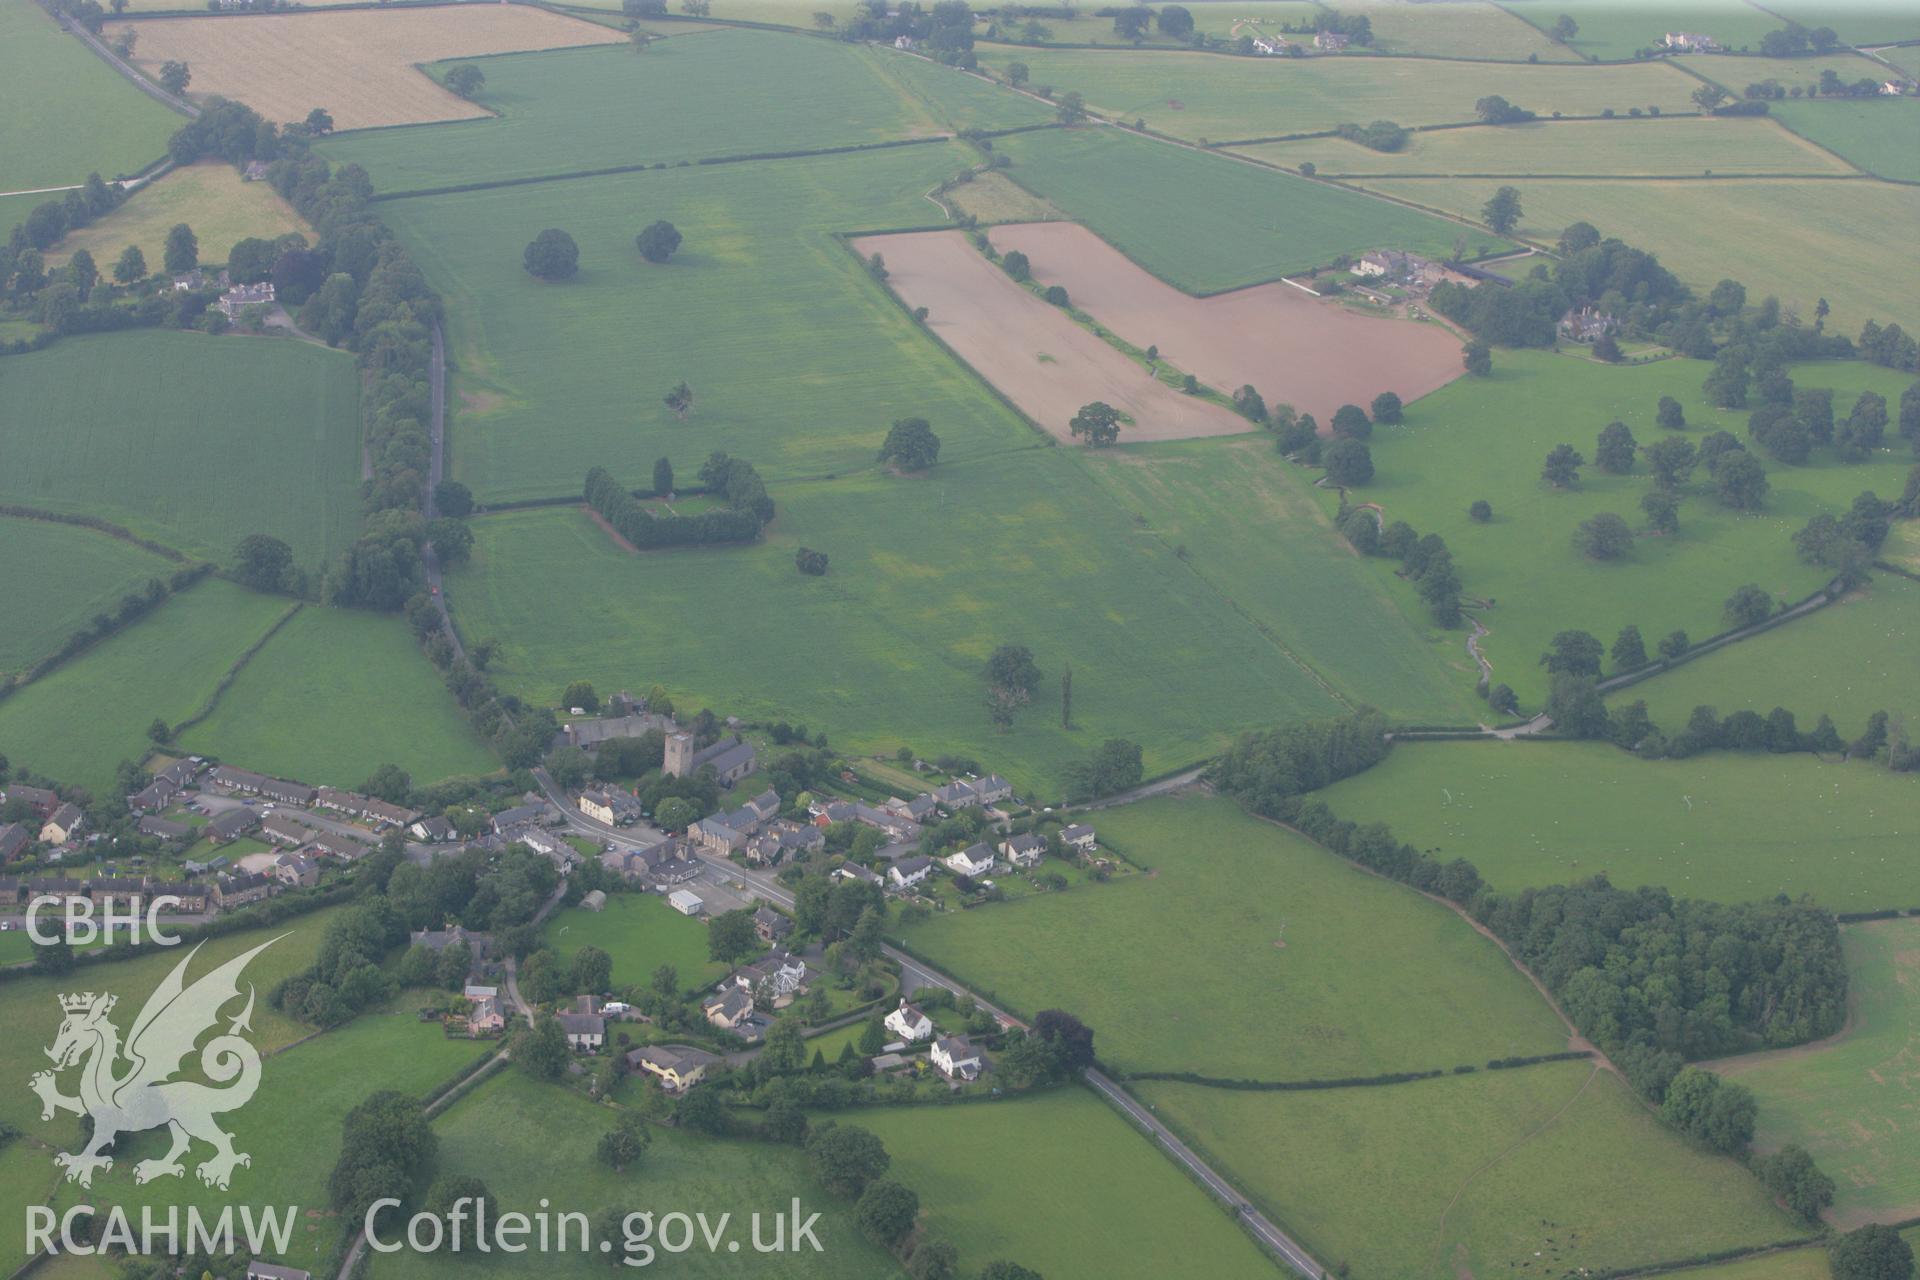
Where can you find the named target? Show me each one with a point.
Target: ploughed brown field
(360, 65)
(1293, 348)
(1033, 351)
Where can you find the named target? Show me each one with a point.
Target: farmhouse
(586, 1032)
(909, 871)
(13, 838)
(1690, 42)
(1330, 41)
(1588, 324)
(438, 940)
(678, 1066)
(909, 1023)
(731, 758)
(162, 829)
(1078, 836)
(1023, 851)
(685, 902)
(274, 1271)
(976, 860)
(63, 825)
(956, 1058)
(242, 296)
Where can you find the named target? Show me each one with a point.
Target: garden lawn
(56, 578)
(1486, 438)
(1850, 1102)
(641, 933)
(335, 694)
(292, 1126)
(797, 359)
(1882, 136)
(190, 440)
(998, 1180)
(1199, 96)
(211, 197)
(928, 576)
(85, 118)
(1245, 522)
(703, 92)
(1671, 146)
(1243, 927)
(1614, 32)
(530, 1141)
(1794, 666)
(1208, 223)
(1724, 826)
(1539, 1170)
(79, 722)
(1709, 230)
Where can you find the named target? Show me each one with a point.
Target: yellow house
(678, 1066)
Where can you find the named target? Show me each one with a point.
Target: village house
(909, 872)
(121, 892)
(547, 844)
(610, 805)
(731, 758)
(853, 871)
(438, 940)
(273, 1270)
(956, 1058)
(991, 789)
(483, 1012)
(770, 925)
(13, 840)
(280, 829)
(975, 860)
(1078, 836)
(1023, 851)
(433, 830)
(63, 825)
(540, 814)
(162, 829)
(345, 848)
(152, 797)
(241, 296)
(247, 782)
(678, 1066)
(586, 1032)
(296, 871)
(909, 1024)
(1690, 42)
(192, 897)
(669, 862)
(242, 888)
(41, 801)
(55, 887)
(957, 795)
(1330, 41)
(1588, 324)
(774, 976)
(728, 1009)
(718, 835)
(230, 826)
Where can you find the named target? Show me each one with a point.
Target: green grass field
(1536, 1171)
(1208, 223)
(1723, 826)
(952, 97)
(1857, 22)
(56, 578)
(85, 117)
(1294, 576)
(797, 359)
(928, 576)
(1195, 95)
(1836, 231)
(728, 91)
(1486, 437)
(641, 932)
(80, 722)
(1611, 32)
(1792, 666)
(528, 1141)
(1850, 1103)
(1792, 73)
(1471, 30)
(193, 441)
(335, 694)
(1882, 137)
(1248, 952)
(1672, 146)
(999, 1180)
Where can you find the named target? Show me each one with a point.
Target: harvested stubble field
(1369, 977)
(1790, 666)
(1294, 348)
(129, 426)
(1206, 223)
(1486, 438)
(1709, 229)
(1850, 1100)
(993, 197)
(1031, 350)
(78, 723)
(1670, 146)
(798, 360)
(1543, 1170)
(1724, 826)
(999, 1180)
(361, 65)
(55, 578)
(210, 197)
(1880, 136)
(84, 116)
(704, 92)
(1206, 96)
(362, 695)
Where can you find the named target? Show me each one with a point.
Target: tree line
(747, 511)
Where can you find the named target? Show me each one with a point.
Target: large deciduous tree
(911, 445)
(658, 242)
(552, 255)
(1099, 422)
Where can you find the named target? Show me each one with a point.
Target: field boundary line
(238, 664)
(125, 68)
(97, 525)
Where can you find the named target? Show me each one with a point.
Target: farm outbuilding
(685, 902)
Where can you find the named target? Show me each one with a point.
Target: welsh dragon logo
(129, 1088)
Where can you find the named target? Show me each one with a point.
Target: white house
(685, 902)
(909, 872)
(586, 1032)
(1023, 851)
(956, 1058)
(1690, 42)
(909, 1023)
(1078, 836)
(974, 861)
